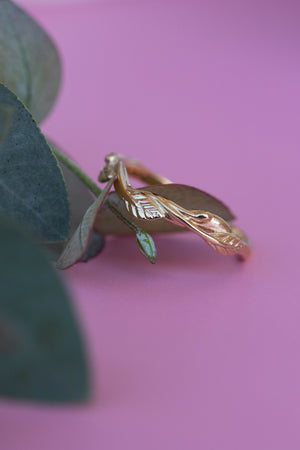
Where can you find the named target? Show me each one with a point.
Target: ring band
(221, 235)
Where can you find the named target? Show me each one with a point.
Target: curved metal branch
(219, 234)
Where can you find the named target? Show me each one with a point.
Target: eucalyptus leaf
(95, 246)
(78, 244)
(41, 351)
(186, 196)
(32, 188)
(29, 62)
(80, 199)
(6, 118)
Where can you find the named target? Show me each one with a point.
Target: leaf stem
(120, 216)
(143, 240)
(72, 166)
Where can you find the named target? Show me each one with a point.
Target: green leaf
(29, 62)
(6, 118)
(41, 350)
(32, 188)
(95, 246)
(80, 199)
(186, 196)
(78, 244)
(146, 245)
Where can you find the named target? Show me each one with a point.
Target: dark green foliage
(41, 352)
(32, 188)
(29, 62)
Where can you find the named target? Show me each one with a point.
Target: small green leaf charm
(41, 351)
(146, 245)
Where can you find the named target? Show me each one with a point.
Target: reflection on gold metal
(219, 234)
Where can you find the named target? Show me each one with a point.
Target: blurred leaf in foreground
(29, 62)
(41, 351)
(32, 187)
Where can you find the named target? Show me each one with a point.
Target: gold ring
(221, 235)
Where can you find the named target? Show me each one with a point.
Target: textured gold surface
(145, 205)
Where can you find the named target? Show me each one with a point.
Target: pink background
(197, 351)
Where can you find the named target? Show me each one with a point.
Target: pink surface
(198, 351)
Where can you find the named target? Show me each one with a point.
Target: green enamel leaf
(146, 245)
(29, 62)
(32, 188)
(41, 351)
